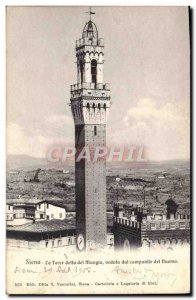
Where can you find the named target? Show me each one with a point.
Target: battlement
(89, 90)
(90, 86)
(146, 225)
(121, 206)
(86, 42)
(127, 222)
(128, 211)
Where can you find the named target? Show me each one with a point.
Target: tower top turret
(89, 34)
(90, 31)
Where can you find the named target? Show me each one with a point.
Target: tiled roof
(23, 201)
(35, 201)
(184, 208)
(52, 225)
(185, 205)
(45, 226)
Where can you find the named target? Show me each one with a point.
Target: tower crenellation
(134, 227)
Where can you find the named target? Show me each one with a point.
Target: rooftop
(35, 201)
(45, 226)
(23, 201)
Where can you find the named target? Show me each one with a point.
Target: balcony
(85, 42)
(90, 86)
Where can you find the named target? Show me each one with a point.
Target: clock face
(80, 242)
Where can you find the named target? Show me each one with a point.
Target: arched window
(81, 71)
(94, 71)
(88, 105)
(99, 105)
(104, 106)
(93, 105)
(95, 130)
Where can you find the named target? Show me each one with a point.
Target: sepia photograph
(98, 196)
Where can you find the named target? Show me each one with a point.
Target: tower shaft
(90, 102)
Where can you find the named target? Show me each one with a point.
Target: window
(53, 243)
(60, 215)
(182, 225)
(95, 130)
(163, 226)
(47, 218)
(69, 241)
(94, 71)
(41, 216)
(88, 105)
(52, 216)
(172, 226)
(46, 244)
(47, 205)
(9, 207)
(39, 206)
(153, 226)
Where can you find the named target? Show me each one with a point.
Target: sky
(146, 64)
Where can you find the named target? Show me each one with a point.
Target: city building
(22, 211)
(48, 235)
(42, 235)
(133, 227)
(90, 103)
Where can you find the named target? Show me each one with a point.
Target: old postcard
(98, 150)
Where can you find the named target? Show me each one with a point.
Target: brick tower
(90, 102)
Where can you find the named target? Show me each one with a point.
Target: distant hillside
(26, 162)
